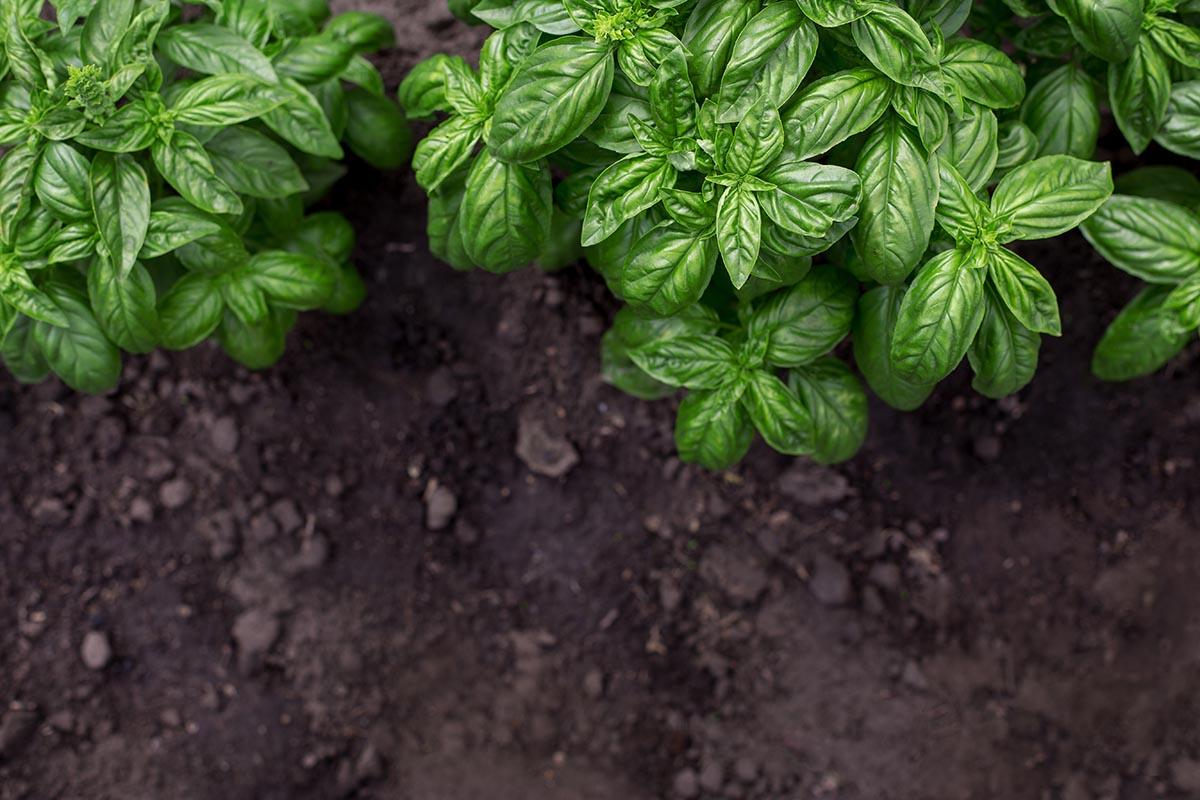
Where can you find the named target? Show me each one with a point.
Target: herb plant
(157, 172)
(757, 181)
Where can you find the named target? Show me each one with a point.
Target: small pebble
(224, 436)
(141, 510)
(287, 515)
(987, 448)
(175, 494)
(440, 507)
(830, 582)
(96, 650)
(686, 784)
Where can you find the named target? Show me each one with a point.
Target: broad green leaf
(190, 312)
(669, 268)
(693, 361)
(63, 182)
(377, 130)
(68, 12)
(924, 111)
(364, 32)
(672, 99)
(131, 129)
(21, 353)
(1004, 355)
(72, 242)
(253, 164)
(835, 398)
(971, 146)
(959, 211)
(170, 230)
(622, 191)
(256, 346)
(739, 233)
(1016, 144)
(1049, 196)
(184, 163)
(810, 199)
(938, 318)
(634, 328)
(640, 56)
(710, 35)
(833, 13)
(124, 307)
(223, 100)
(807, 320)
(690, 209)
(103, 29)
(757, 141)
(895, 44)
(302, 123)
(779, 415)
(545, 15)
(557, 93)
(770, 58)
(713, 429)
(443, 221)
(291, 280)
(1139, 90)
(1179, 42)
(832, 109)
(611, 128)
(312, 59)
(18, 171)
(874, 326)
(121, 206)
(18, 290)
(506, 213)
(1063, 112)
(1143, 337)
(79, 353)
(609, 257)
(1027, 294)
(444, 150)
(1154, 240)
(212, 50)
(900, 193)
(983, 73)
(1106, 28)
(422, 93)
(1180, 132)
(1173, 184)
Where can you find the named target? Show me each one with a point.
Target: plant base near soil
(993, 600)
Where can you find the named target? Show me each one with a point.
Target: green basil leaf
(690, 209)
(1050, 196)
(672, 101)
(710, 35)
(1049, 37)
(21, 353)
(633, 328)
(1173, 184)
(312, 59)
(170, 230)
(810, 199)
(834, 397)
(938, 318)
(244, 299)
(545, 15)
(983, 73)
(757, 141)
(640, 56)
(68, 12)
(121, 205)
(1177, 41)
(807, 320)
(212, 50)
(223, 100)
(72, 242)
(739, 233)
(1106, 28)
(713, 429)
(18, 170)
(611, 129)
(1004, 355)
(833, 13)
(558, 92)
(506, 213)
(972, 147)
(254, 165)
(1143, 337)
(505, 51)
(79, 353)
(669, 268)
(895, 44)
(61, 124)
(378, 131)
(873, 332)
(364, 32)
(692, 361)
(19, 291)
(302, 123)
(778, 414)
(1063, 112)
(257, 346)
(624, 190)
(1180, 132)
(1154, 240)
(444, 150)
(423, 91)
(1027, 294)
(106, 24)
(770, 58)
(832, 109)
(925, 112)
(443, 221)
(1139, 90)
(63, 182)
(184, 163)
(900, 192)
(190, 311)
(1016, 144)
(1185, 299)
(959, 211)
(291, 280)
(364, 74)
(124, 307)
(131, 129)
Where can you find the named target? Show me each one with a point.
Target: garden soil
(432, 556)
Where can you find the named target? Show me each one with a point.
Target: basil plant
(758, 182)
(156, 176)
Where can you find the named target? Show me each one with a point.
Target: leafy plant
(707, 153)
(154, 187)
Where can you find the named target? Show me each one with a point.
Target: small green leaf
(121, 205)
(1027, 294)
(506, 213)
(302, 123)
(622, 191)
(184, 163)
(190, 312)
(874, 328)
(124, 307)
(256, 346)
(131, 129)
(895, 44)
(669, 268)
(1139, 91)
(983, 73)
(377, 130)
(1143, 337)
(18, 170)
(693, 361)
(835, 398)
(807, 320)
(739, 233)
(779, 415)
(253, 164)
(1004, 355)
(832, 109)
(1180, 132)
(79, 353)
(1154, 240)
(1050, 196)
(713, 428)
(757, 140)
(709, 35)
(768, 61)
(1063, 112)
(170, 230)
(938, 318)
(63, 182)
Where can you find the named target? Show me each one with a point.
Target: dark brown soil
(994, 600)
